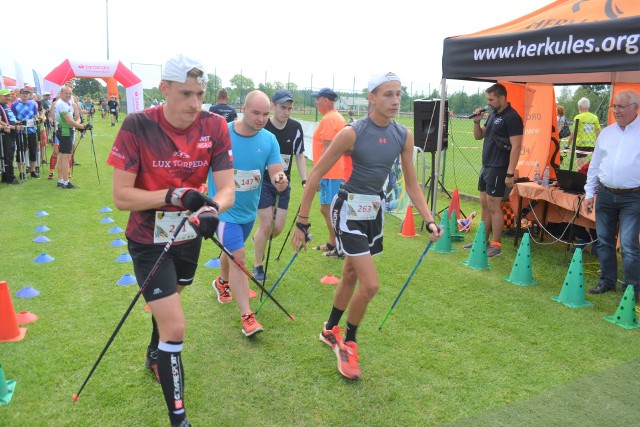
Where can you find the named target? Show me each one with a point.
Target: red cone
(9, 330)
(455, 203)
(408, 226)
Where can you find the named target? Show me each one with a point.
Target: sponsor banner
(135, 101)
(93, 69)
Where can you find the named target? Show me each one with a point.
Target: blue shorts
(232, 236)
(268, 196)
(328, 190)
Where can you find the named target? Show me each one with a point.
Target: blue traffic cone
(115, 229)
(107, 220)
(105, 209)
(124, 258)
(43, 258)
(213, 263)
(127, 279)
(572, 293)
(41, 239)
(27, 292)
(42, 229)
(118, 242)
(42, 213)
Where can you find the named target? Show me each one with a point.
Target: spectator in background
(289, 134)
(588, 129)
(8, 135)
(26, 111)
(502, 134)
(64, 113)
(615, 175)
(114, 108)
(351, 117)
(332, 122)
(222, 108)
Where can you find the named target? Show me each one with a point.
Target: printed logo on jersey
(182, 154)
(205, 142)
(382, 140)
(230, 155)
(116, 153)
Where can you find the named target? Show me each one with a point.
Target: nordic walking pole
(249, 275)
(295, 255)
(273, 224)
(93, 148)
(288, 233)
(405, 284)
(75, 396)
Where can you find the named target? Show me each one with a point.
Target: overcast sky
(322, 43)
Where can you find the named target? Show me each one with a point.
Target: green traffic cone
(626, 313)
(572, 293)
(443, 245)
(6, 388)
(521, 270)
(456, 235)
(478, 256)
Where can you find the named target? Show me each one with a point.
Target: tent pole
(436, 171)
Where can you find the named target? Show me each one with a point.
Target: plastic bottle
(536, 174)
(545, 177)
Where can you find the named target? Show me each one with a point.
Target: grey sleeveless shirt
(375, 150)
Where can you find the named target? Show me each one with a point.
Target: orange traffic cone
(9, 330)
(408, 226)
(455, 203)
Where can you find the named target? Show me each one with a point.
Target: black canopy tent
(566, 42)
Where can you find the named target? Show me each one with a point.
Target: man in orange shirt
(332, 122)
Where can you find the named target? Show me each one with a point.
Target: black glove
(187, 198)
(205, 221)
(88, 126)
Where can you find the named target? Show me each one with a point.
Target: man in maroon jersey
(160, 156)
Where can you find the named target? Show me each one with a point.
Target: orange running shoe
(252, 293)
(347, 354)
(331, 337)
(250, 325)
(222, 290)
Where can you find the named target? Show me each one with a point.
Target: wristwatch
(510, 175)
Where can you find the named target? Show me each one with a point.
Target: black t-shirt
(224, 110)
(291, 141)
(113, 106)
(499, 126)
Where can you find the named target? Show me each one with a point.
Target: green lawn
(462, 347)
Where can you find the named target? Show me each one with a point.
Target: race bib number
(30, 123)
(166, 224)
(286, 161)
(247, 180)
(113, 110)
(362, 206)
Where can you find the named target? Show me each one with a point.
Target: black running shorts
(356, 237)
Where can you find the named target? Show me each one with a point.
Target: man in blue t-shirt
(254, 149)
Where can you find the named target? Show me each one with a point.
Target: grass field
(462, 347)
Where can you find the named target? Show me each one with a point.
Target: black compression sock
(334, 318)
(172, 378)
(155, 336)
(351, 332)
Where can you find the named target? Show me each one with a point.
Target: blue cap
(281, 96)
(325, 92)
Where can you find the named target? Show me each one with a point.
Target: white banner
(94, 69)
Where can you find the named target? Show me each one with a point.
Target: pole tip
(74, 398)
(292, 318)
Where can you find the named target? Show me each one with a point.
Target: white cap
(176, 69)
(377, 79)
